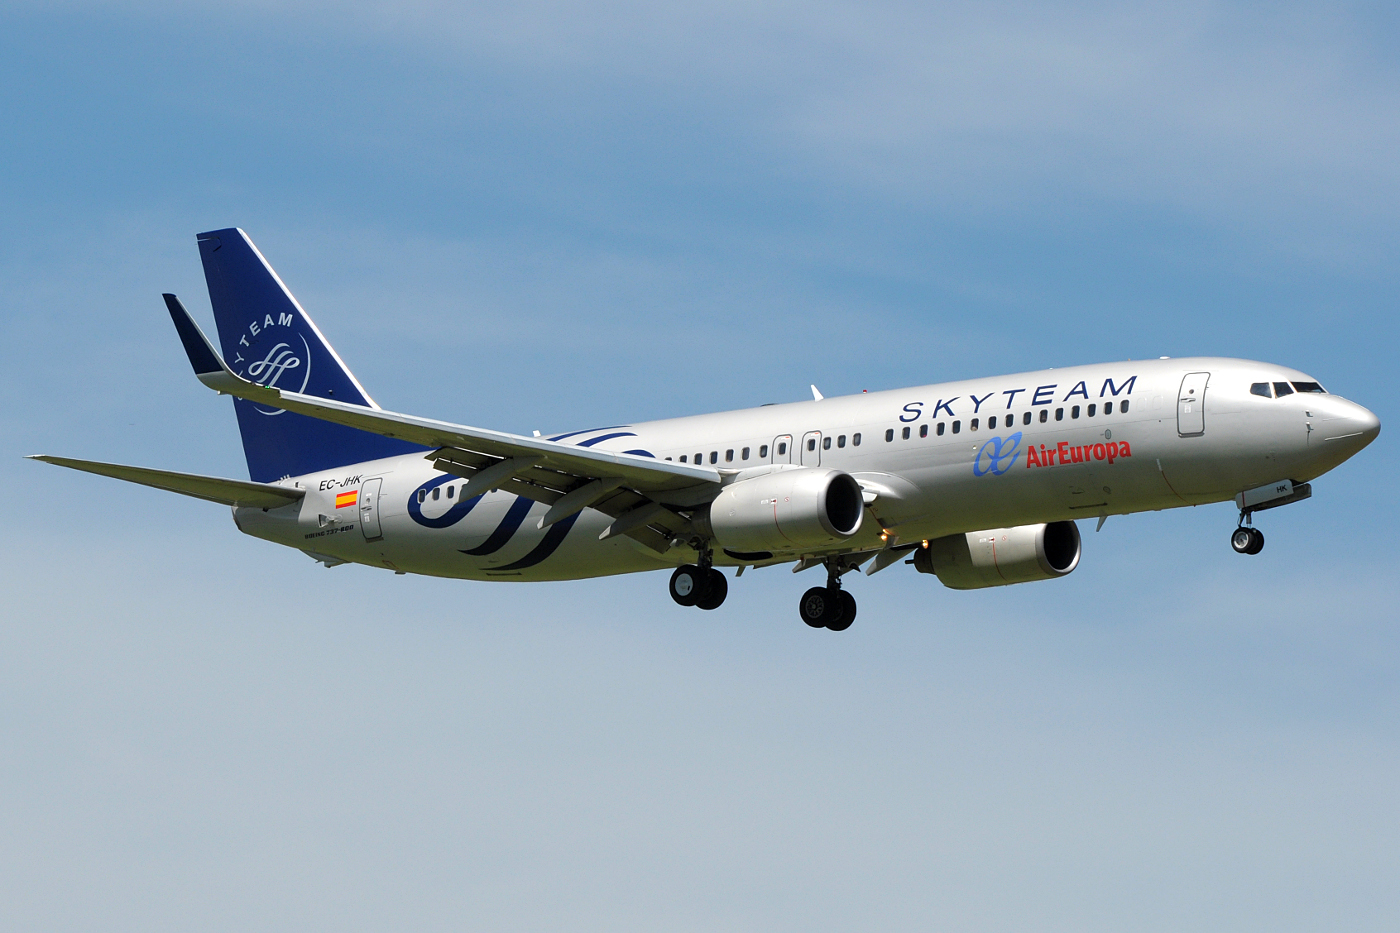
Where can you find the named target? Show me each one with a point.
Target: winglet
(197, 346)
(208, 366)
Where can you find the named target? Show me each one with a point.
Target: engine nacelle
(787, 510)
(1001, 555)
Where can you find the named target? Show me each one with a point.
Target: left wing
(641, 492)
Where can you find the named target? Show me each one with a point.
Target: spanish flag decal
(342, 499)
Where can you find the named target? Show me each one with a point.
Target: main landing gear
(829, 606)
(699, 584)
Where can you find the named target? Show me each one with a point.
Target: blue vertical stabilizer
(267, 338)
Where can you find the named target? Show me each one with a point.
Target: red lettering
(1100, 452)
(1076, 454)
(1031, 458)
(1063, 449)
(1124, 450)
(1112, 452)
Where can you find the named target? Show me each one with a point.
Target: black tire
(688, 585)
(848, 613)
(815, 606)
(1257, 544)
(1242, 539)
(715, 592)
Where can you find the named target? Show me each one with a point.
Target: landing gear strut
(829, 606)
(699, 584)
(1246, 539)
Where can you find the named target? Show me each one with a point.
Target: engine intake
(787, 510)
(1000, 556)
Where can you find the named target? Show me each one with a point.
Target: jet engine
(787, 510)
(1000, 556)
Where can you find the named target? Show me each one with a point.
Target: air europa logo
(1064, 452)
(996, 456)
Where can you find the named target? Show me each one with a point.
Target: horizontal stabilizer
(210, 488)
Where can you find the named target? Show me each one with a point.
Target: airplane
(979, 482)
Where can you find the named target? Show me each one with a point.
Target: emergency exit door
(1191, 405)
(369, 509)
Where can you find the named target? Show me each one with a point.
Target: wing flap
(209, 488)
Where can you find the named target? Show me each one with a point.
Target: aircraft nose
(1355, 426)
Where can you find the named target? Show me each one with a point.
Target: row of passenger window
(781, 451)
(1010, 420)
(1282, 388)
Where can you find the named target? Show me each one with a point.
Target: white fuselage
(1079, 442)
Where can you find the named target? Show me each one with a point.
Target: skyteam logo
(280, 361)
(996, 456)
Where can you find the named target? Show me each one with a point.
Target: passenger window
(437, 490)
(826, 443)
(668, 459)
(1261, 389)
(422, 494)
(905, 432)
(1108, 408)
(1044, 415)
(1282, 388)
(682, 458)
(744, 453)
(729, 455)
(1091, 410)
(763, 451)
(889, 435)
(714, 456)
(957, 426)
(855, 440)
(972, 426)
(699, 458)
(1309, 387)
(451, 491)
(940, 428)
(1123, 409)
(1074, 412)
(782, 449)
(811, 443)
(1026, 418)
(992, 423)
(923, 430)
(841, 441)
(1059, 414)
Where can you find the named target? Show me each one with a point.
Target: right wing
(642, 493)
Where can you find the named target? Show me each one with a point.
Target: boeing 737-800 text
(979, 482)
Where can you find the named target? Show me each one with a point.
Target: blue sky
(558, 215)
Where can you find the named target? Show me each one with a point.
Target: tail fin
(269, 339)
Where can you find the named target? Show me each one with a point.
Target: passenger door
(812, 448)
(1191, 405)
(782, 449)
(369, 509)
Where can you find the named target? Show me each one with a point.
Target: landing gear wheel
(847, 615)
(816, 606)
(688, 584)
(716, 589)
(1247, 540)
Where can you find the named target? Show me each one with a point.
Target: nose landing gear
(1246, 540)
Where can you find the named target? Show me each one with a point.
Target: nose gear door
(1190, 405)
(369, 509)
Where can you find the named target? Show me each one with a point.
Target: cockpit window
(1282, 388)
(1261, 388)
(1309, 387)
